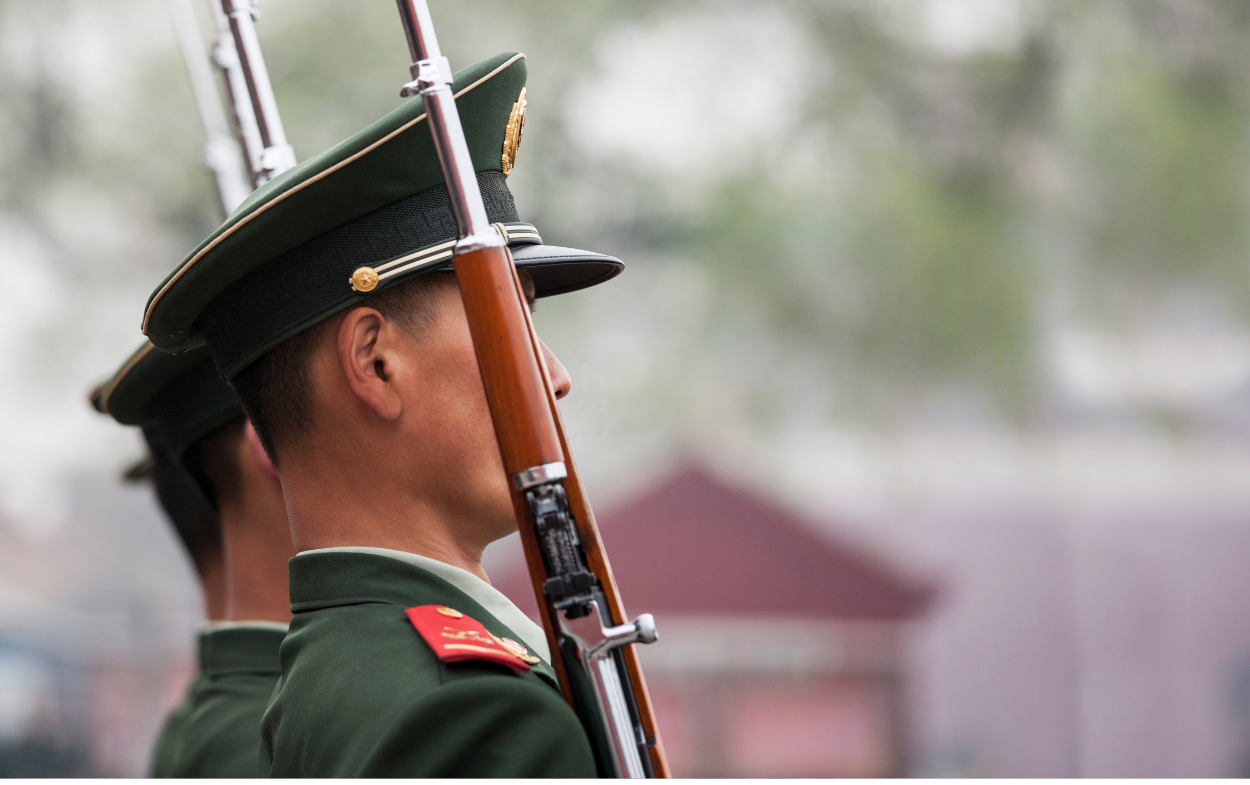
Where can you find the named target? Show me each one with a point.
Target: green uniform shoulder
(221, 731)
(500, 726)
(364, 695)
(169, 741)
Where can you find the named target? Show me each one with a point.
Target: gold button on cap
(443, 609)
(365, 279)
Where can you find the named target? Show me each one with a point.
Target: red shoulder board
(455, 637)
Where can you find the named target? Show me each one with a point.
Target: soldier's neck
(210, 566)
(328, 511)
(257, 542)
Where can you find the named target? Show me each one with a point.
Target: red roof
(695, 546)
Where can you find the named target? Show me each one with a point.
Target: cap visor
(557, 270)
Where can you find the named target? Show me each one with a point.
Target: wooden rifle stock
(530, 433)
(588, 633)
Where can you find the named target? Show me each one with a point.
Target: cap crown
(364, 215)
(391, 160)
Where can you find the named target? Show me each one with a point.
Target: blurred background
(920, 417)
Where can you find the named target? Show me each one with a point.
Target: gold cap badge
(365, 279)
(452, 612)
(512, 136)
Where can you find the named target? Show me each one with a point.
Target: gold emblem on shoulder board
(519, 650)
(512, 136)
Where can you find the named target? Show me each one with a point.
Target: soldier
(327, 302)
(196, 525)
(216, 483)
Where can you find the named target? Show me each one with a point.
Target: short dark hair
(213, 462)
(189, 510)
(275, 389)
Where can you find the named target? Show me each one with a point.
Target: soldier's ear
(368, 358)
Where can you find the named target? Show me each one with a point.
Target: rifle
(577, 596)
(221, 154)
(253, 108)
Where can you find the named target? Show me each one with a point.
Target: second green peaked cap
(290, 256)
(177, 399)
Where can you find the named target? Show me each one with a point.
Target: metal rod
(276, 156)
(221, 153)
(431, 74)
(419, 30)
(226, 58)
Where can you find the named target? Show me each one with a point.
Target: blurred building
(782, 652)
(42, 730)
(90, 663)
(41, 734)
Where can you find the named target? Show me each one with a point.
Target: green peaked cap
(286, 259)
(177, 399)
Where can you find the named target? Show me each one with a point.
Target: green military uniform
(215, 730)
(394, 708)
(365, 690)
(165, 752)
(218, 726)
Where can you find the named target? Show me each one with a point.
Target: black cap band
(309, 283)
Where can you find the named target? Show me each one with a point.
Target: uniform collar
(241, 648)
(258, 624)
(494, 601)
(335, 577)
